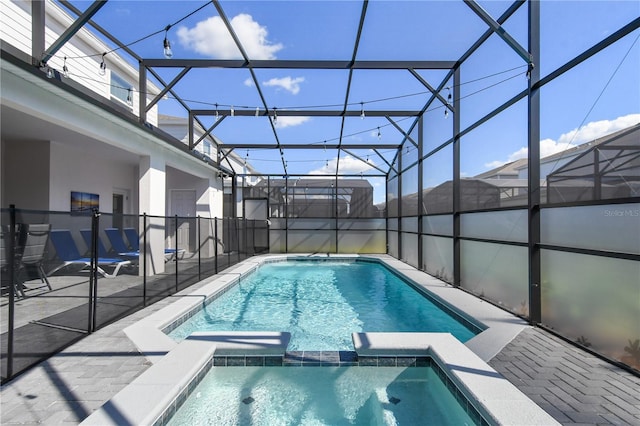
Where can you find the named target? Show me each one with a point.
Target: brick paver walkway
(570, 384)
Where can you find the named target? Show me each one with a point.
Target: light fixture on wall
(168, 53)
(103, 65)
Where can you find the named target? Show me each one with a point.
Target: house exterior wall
(82, 51)
(27, 187)
(98, 175)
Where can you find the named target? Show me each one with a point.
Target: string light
(257, 111)
(65, 70)
(103, 65)
(233, 111)
(275, 115)
(362, 110)
(217, 114)
(130, 96)
(446, 112)
(529, 70)
(168, 53)
(379, 134)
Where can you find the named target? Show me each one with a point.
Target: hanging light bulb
(379, 134)
(50, 73)
(233, 111)
(325, 146)
(446, 112)
(168, 53)
(103, 65)
(217, 114)
(275, 115)
(529, 70)
(367, 159)
(449, 95)
(65, 70)
(362, 110)
(129, 96)
(326, 163)
(257, 111)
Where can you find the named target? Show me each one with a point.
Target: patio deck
(570, 384)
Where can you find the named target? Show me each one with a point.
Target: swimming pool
(322, 302)
(323, 396)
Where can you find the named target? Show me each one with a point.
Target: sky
(599, 96)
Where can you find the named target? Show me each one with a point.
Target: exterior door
(183, 205)
(118, 210)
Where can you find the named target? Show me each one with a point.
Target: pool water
(321, 304)
(321, 396)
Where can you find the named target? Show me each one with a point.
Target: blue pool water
(321, 304)
(274, 396)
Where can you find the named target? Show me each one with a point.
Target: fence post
(93, 278)
(215, 242)
(199, 246)
(175, 258)
(12, 288)
(144, 259)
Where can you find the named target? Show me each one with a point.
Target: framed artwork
(84, 202)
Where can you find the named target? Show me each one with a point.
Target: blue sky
(599, 96)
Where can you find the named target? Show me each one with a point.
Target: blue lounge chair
(68, 253)
(118, 245)
(134, 243)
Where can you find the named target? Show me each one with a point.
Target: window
(121, 90)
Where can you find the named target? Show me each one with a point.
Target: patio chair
(68, 253)
(102, 251)
(32, 241)
(118, 245)
(134, 243)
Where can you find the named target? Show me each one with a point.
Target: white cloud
(588, 132)
(286, 121)
(248, 82)
(291, 85)
(211, 38)
(348, 165)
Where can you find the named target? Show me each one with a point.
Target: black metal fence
(66, 275)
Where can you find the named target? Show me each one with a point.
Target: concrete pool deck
(571, 385)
